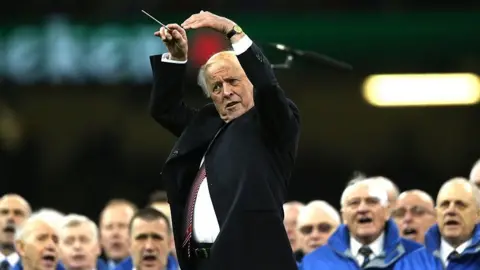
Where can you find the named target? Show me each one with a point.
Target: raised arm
(166, 99)
(278, 115)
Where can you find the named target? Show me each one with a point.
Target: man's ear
(20, 247)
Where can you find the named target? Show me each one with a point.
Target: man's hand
(175, 40)
(210, 20)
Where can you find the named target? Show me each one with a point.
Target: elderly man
(79, 246)
(454, 242)
(228, 173)
(316, 222)
(392, 189)
(475, 174)
(36, 241)
(414, 214)
(290, 215)
(369, 239)
(14, 209)
(114, 221)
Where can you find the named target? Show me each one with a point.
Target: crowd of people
(374, 213)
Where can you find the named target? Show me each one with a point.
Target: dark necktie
(366, 252)
(201, 175)
(453, 255)
(5, 265)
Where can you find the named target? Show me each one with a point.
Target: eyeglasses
(416, 211)
(320, 227)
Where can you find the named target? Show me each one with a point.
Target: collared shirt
(12, 259)
(446, 249)
(376, 247)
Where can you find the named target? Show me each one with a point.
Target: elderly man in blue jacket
(454, 243)
(368, 240)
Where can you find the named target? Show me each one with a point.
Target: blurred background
(75, 80)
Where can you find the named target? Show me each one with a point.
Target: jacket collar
(393, 249)
(433, 241)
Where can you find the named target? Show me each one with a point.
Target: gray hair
(372, 184)
(74, 220)
(322, 206)
(49, 216)
(202, 79)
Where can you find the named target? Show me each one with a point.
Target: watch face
(237, 29)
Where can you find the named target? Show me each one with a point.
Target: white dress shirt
(376, 247)
(446, 249)
(205, 223)
(12, 259)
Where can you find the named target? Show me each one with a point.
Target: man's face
(229, 87)
(13, 212)
(315, 228)
(114, 231)
(457, 212)
(150, 244)
(290, 223)
(414, 214)
(363, 214)
(39, 248)
(79, 249)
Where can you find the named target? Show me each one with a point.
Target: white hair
(475, 169)
(387, 184)
(474, 188)
(202, 76)
(375, 190)
(49, 216)
(321, 206)
(74, 220)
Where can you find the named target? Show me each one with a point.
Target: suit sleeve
(166, 99)
(278, 115)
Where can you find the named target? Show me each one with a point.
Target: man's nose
(227, 90)
(149, 245)
(408, 218)
(363, 207)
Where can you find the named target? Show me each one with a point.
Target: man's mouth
(409, 232)
(231, 104)
(49, 260)
(10, 228)
(79, 257)
(365, 220)
(452, 223)
(149, 258)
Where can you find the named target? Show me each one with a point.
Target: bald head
(475, 174)
(316, 209)
(14, 210)
(418, 195)
(460, 187)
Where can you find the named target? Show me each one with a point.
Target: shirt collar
(376, 246)
(446, 248)
(12, 258)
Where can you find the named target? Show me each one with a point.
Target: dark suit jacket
(248, 166)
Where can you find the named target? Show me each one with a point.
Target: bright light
(422, 89)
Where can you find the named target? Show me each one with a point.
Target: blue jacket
(336, 253)
(19, 266)
(127, 264)
(429, 256)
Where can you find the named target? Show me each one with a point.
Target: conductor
(228, 172)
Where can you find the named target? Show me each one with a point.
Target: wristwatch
(235, 30)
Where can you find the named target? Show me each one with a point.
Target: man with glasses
(368, 239)
(316, 222)
(414, 214)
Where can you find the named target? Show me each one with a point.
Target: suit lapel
(199, 133)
